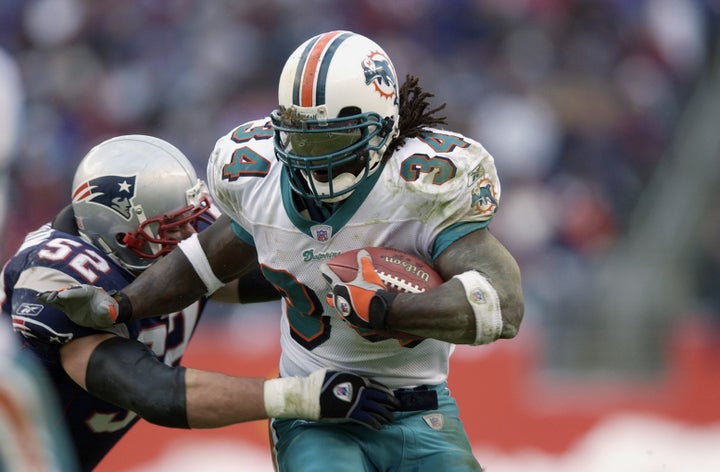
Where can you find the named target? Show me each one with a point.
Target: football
(400, 271)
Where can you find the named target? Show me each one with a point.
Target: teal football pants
(416, 441)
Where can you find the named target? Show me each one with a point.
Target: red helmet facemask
(145, 244)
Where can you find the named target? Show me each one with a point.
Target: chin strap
(387, 127)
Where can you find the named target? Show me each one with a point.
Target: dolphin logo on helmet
(338, 113)
(378, 72)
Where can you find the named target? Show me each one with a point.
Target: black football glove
(345, 396)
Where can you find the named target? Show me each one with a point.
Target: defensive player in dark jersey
(135, 198)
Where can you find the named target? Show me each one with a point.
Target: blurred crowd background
(589, 108)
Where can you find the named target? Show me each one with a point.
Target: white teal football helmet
(339, 110)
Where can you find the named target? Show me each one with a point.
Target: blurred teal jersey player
(348, 160)
(32, 435)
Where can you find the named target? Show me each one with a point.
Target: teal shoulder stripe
(454, 232)
(241, 233)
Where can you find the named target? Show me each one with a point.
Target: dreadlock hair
(414, 113)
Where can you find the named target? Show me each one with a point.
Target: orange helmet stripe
(314, 67)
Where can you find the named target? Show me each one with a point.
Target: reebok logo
(29, 309)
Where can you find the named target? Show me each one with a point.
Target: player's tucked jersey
(48, 260)
(432, 191)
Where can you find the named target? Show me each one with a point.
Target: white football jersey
(433, 190)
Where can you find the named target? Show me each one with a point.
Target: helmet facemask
(338, 112)
(327, 159)
(150, 239)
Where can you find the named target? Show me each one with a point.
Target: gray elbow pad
(127, 373)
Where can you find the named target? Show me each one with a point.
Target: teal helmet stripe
(325, 66)
(311, 74)
(299, 72)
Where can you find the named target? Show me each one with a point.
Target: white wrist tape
(484, 300)
(294, 397)
(195, 254)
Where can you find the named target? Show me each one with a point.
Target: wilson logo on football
(409, 267)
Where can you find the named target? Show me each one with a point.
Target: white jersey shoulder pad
(240, 161)
(452, 172)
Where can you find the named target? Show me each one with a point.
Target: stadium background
(603, 119)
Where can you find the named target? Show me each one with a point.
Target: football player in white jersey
(350, 160)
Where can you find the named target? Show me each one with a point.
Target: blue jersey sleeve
(50, 260)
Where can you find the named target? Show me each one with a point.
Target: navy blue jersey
(48, 260)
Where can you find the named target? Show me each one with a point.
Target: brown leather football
(401, 272)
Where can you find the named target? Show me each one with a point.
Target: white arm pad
(484, 300)
(294, 397)
(195, 254)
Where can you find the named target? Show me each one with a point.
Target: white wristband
(294, 397)
(195, 254)
(484, 300)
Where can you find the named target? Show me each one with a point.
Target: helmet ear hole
(129, 240)
(349, 111)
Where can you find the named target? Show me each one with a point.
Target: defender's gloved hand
(331, 396)
(346, 396)
(363, 302)
(89, 306)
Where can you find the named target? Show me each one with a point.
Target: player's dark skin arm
(443, 312)
(171, 283)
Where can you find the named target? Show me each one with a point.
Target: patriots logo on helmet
(378, 72)
(113, 191)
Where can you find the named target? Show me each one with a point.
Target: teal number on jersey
(244, 161)
(245, 133)
(305, 312)
(442, 168)
(440, 142)
(308, 326)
